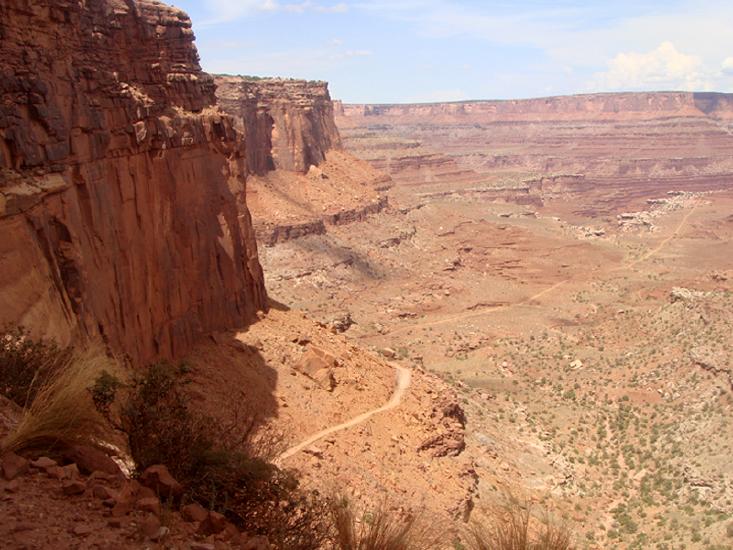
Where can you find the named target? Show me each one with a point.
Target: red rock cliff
(288, 124)
(119, 180)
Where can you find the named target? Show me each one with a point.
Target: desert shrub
(222, 467)
(104, 392)
(513, 528)
(159, 426)
(379, 530)
(26, 364)
(61, 413)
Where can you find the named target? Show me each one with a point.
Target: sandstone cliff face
(301, 181)
(288, 124)
(119, 180)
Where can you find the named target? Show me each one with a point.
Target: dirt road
(402, 382)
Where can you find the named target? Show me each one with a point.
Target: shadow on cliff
(339, 254)
(232, 382)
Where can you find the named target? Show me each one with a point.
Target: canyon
(563, 263)
(431, 308)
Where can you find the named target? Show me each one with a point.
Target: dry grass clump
(62, 412)
(380, 530)
(26, 364)
(513, 528)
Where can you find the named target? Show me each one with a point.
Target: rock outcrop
(288, 124)
(121, 183)
(301, 180)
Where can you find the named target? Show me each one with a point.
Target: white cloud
(663, 68)
(577, 38)
(727, 66)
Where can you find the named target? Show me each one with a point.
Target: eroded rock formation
(288, 124)
(121, 184)
(615, 107)
(301, 180)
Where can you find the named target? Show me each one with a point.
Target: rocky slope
(119, 181)
(301, 180)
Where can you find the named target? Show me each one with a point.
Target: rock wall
(121, 183)
(288, 124)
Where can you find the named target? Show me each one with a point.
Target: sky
(405, 51)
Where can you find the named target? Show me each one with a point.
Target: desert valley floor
(586, 327)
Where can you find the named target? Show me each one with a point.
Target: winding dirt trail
(484, 311)
(403, 375)
(402, 383)
(478, 313)
(664, 243)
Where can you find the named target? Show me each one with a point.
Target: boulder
(73, 487)
(318, 365)
(160, 480)
(14, 465)
(90, 459)
(448, 443)
(103, 492)
(194, 512)
(341, 323)
(56, 472)
(43, 463)
(151, 528)
(150, 504)
(213, 524)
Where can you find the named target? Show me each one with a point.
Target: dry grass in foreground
(380, 530)
(62, 412)
(513, 528)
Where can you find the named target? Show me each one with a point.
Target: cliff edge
(287, 124)
(301, 179)
(122, 199)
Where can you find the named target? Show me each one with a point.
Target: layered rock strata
(288, 124)
(612, 143)
(121, 183)
(301, 180)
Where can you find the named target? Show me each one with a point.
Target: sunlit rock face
(121, 183)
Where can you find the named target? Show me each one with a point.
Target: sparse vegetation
(27, 364)
(61, 412)
(223, 467)
(379, 530)
(514, 528)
